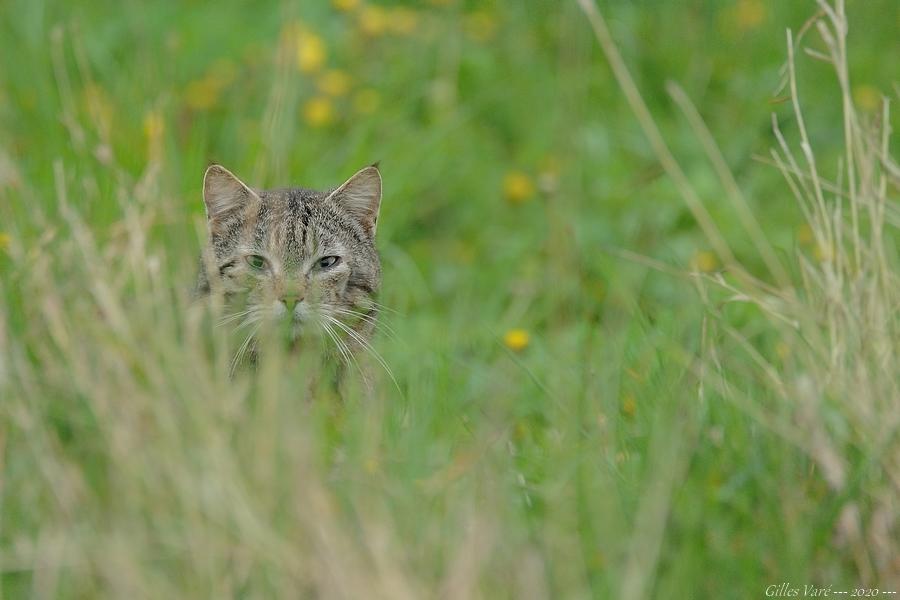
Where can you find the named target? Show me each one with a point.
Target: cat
(294, 256)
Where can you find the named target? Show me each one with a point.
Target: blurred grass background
(548, 434)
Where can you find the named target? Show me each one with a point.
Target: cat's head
(293, 254)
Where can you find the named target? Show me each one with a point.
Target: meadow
(642, 290)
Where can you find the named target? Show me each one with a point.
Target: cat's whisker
(342, 347)
(378, 324)
(331, 334)
(239, 355)
(384, 308)
(233, 317)
(365, 346)
(350, 357)
(254, 317)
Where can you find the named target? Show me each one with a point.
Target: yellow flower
(318, 112)
(805, 234)
(704, 261)
(823, 252)
(520, 431)
(334, 83)
(629, 406)
(5, 239)
(782, 350)
(154, 128)
(481, 25)
(310, 52)
(517, 187)
(366, 101)
(202, 94)
(99, 106)
(516, 339)
(345, 5)
(373, 20)
(867, 97)
(749, 14)
(402, 20)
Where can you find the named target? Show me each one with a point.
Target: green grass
(666, 432)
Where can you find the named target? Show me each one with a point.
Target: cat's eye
(326, 262)
(257, 262)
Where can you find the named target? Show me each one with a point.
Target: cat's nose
(291, 301)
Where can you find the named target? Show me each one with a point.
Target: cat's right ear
(226, 197)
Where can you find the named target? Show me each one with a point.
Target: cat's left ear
(226, 198)
(360, 196)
